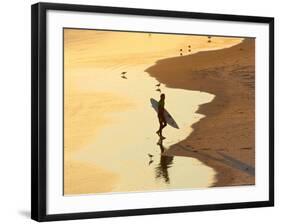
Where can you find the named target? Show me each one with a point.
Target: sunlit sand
(109, 125)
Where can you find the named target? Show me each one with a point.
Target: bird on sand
(123, 75)
(158, 90)
(158, 85)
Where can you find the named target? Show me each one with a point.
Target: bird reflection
(161, 170)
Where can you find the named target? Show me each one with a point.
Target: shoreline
(228, 74)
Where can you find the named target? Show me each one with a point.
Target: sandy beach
(110, 124)
(225, 138)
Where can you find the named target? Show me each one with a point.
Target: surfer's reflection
(161, 170)
(161, 117)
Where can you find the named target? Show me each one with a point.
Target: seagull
(158, 85)
(123, 75)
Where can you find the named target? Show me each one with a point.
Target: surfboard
(170, 120)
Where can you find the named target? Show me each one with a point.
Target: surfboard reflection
(161, 170)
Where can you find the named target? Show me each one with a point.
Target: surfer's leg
(159, 130)
(164, 123)
(160, 119)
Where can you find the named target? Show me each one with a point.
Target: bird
(150, 156)
(158, 85)
(158, 90)
(123, 75)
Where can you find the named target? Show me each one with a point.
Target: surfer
(161, 117)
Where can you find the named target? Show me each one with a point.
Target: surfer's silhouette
(161, 117)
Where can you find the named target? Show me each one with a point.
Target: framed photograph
(139, 111)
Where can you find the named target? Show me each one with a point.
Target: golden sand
(109, 125)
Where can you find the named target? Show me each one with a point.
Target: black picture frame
(39, 121)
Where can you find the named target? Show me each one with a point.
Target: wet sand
(225, 138)
(109, 125)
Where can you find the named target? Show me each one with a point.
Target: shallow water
(109, 122)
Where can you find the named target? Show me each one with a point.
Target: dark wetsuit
(161, 117)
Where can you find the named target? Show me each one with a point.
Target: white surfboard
(170, 120)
